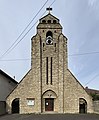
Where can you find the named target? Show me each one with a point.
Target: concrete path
(51, 117)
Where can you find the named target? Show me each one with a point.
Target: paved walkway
(51, 117)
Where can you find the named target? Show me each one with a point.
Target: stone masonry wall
(73, 91)
(96, 106)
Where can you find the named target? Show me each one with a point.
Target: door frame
(82, 106)
(15, 106)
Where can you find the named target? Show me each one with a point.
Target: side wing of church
(49, 86)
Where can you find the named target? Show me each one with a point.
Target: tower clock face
(49, 40)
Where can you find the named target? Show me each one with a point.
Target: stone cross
(49, 9)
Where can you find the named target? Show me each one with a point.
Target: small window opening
(43, 44)
(49, 33)
(55, 44)
(43, 21)
(49, 21)
(54, 21)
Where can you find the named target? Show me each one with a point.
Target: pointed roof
(49, 15)
(49, 21)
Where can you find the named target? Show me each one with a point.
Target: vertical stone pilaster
(61, 74)
(38, 72)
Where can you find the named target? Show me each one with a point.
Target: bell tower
(49, 57)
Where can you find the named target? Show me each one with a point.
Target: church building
(49, 86)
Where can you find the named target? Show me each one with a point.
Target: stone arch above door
(49, 94)
(49, 97)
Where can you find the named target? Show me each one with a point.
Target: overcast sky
(80, 21)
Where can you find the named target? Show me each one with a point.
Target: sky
(80, 21)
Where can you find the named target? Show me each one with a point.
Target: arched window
(49, 38)
(49, 33)
(49, 21)
(43, 21)
(54, 21)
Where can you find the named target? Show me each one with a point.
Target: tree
(95, 96)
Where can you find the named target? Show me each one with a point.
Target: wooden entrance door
(49, 104)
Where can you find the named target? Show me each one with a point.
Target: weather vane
(49, 9)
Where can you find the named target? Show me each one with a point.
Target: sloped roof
(49, 21)
(49, 15)
(7, 76)
(91, 91)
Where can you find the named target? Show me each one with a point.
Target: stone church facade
(49, 86)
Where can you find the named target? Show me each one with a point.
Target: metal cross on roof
(49, 9)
